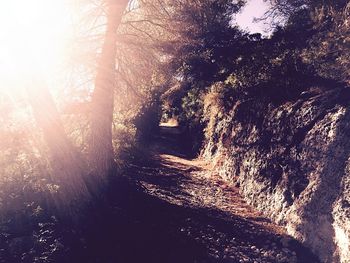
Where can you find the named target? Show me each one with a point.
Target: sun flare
(33, 36)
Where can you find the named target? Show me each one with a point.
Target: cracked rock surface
(291, 160)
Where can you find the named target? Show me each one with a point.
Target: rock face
(291, 161)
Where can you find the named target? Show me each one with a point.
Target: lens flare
(33, 35)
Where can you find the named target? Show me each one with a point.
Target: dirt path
(164, 210)
(193, 219)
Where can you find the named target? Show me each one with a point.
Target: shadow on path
(167, 212)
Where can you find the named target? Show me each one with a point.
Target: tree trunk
(65, 161)
(101, 147)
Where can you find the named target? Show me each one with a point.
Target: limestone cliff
(291, 161)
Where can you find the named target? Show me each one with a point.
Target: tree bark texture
(101, 147)
(65, 161)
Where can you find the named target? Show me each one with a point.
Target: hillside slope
(291, 162)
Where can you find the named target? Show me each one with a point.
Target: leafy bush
(330, 46)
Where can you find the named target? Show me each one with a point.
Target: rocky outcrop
(291, 161)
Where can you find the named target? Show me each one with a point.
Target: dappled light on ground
(105, 106)
(170, 123)
(164, 211)
(209, 213)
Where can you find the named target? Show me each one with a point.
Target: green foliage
(218, 69)
(147, 121)
(190, 49)
(191, 107)
(329, 46)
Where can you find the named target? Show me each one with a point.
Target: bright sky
(34, 35)
(253, 9)
(32, 39)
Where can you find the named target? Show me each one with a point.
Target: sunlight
(32, 39)
(252, 10)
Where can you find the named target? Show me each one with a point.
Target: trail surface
(164, 209)
(181, 216)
